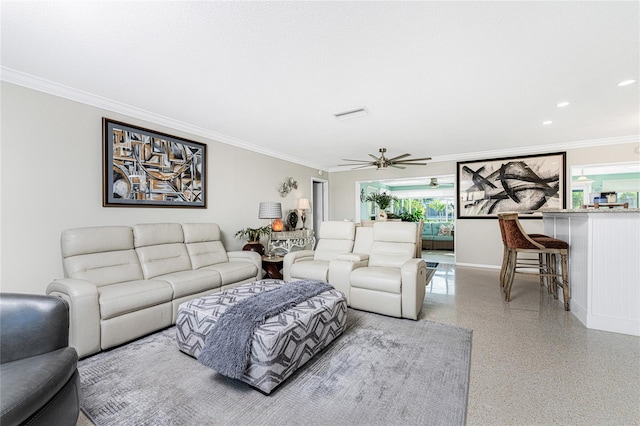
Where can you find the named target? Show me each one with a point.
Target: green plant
(414, 216)
(438, 206)
(253, 234)
(382, 200)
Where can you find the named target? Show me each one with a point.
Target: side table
(287, 240)
(273, 265)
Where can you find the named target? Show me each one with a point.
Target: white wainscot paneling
(604, 267)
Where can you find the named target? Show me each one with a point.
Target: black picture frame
(146, 168)
(524, 184)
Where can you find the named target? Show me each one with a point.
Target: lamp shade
(303, 204)
(270, 210)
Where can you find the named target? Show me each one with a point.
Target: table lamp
(303, 206)
(273, 211)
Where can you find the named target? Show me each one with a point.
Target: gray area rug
(381, 371)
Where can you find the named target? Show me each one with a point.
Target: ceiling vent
(352, 113)
(434, 183)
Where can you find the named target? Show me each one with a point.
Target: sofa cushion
(101, 254)
(377, 278)
(311, 270)
(97, 239)
(163, 259)
(233, 272)
(337, 230)
(334, 238)
(200, 232)
(189, 282)
(393, 244)
(203, 244)
(427, 229)
(105, 267)
(122, 298)
(152, 234)
(206, 253)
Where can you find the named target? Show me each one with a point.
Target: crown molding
(538, 149)
(29, 81)
(36, 83)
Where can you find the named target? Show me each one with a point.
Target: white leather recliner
(393, 281)
(334, 238)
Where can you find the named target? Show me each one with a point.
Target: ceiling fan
(383, 162)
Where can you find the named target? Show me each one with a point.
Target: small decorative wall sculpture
(143, 168)
(287, 186)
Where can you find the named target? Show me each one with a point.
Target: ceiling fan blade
(418, 159)
(382, 162)
(410, 164)
(399, 157)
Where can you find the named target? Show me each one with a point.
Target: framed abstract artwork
(514, 184)
(144, 168)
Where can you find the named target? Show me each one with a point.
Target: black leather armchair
(39, 381)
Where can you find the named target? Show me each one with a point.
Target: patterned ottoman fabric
(281, 345)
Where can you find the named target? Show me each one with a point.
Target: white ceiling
(439, 79)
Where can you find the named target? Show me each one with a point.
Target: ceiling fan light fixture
(382, 162)
(352, 113)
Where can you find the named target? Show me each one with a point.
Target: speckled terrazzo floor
(532, 362)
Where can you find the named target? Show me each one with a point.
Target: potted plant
(252, 235)
(383, 201)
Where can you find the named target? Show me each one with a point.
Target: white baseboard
(476, 265)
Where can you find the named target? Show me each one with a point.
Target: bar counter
(604, 265)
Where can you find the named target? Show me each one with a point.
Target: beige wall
(51, 180)
(477, 241)
(51, 177)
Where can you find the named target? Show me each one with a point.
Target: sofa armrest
(414, 282)
(340, 271)
(293, 257)
(32, 325)
(84, 313)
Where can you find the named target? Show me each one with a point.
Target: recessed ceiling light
(546, 123)
(626, 83)
(562, 104)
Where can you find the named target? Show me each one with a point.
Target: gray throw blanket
(227, 347)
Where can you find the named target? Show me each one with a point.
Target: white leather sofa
(124, 282)
(379, 275)
(334, 238)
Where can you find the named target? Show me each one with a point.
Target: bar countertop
(601, 210)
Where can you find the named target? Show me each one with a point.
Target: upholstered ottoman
(281, 345)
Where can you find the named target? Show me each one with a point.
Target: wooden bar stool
(522, 262)
(550, 251)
